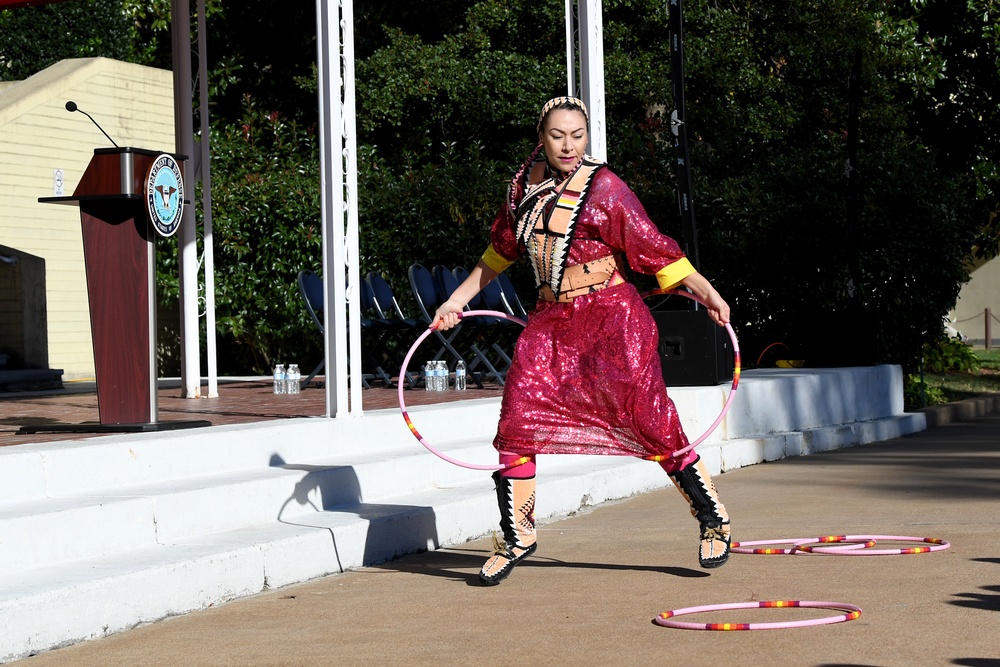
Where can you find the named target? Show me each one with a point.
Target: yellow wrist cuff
(671, 275)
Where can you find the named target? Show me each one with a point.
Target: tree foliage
(958, 116)
(32, 38)
(447, 97)
(266, 228)
(769, 93)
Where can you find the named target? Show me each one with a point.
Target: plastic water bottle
(442, 375)
(293, 380)
(429, 376)
(460, 376)
(279, 379)
(435, 376)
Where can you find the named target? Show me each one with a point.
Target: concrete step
(97, 464)
(160, 573)
(44, 607)
(64, 528)
(768, 402)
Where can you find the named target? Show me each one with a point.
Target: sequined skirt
(586, 379)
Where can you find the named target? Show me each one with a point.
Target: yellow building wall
(134, 105)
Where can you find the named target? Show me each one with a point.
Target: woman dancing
(585, 377)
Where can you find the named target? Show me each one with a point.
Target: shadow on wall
(393, 530)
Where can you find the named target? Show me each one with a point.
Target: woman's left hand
(446, 316)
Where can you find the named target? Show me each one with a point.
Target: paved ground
(589, 595)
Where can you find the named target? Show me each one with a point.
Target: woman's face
(564, 135)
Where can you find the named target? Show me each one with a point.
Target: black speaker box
(694, 350)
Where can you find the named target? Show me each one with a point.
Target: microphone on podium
(71, 106)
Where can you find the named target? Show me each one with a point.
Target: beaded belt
(581, 279)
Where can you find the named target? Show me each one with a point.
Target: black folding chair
(428, 299)
(492, 299)
(509, 297)
(376, 336)
(402, 330)
(311, 289)
(501, 333)
(477, 333)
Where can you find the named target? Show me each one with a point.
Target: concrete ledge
(971, 408)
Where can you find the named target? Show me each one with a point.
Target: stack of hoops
(843, 545)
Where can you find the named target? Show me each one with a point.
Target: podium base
(97, 427)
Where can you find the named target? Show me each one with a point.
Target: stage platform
(244, 400)
(100, 533)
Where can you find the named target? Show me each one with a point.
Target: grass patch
(950, 386)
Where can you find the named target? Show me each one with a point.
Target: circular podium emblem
(165, 194)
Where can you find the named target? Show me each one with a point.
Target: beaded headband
(556, 101)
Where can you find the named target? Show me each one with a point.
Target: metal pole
(187, 241)
(333, 206)
(570, 51)
(989, 329)
(206, 204)
(352, 272)
(592, 74)
(685, 188)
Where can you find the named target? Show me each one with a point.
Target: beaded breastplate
(546, 218)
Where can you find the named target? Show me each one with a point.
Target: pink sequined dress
(586, 375)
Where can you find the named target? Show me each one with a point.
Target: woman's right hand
(446, 315)
(718, 309)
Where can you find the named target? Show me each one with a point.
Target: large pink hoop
(406, 415)
(525, 459)
(665, 619)
(732, 391)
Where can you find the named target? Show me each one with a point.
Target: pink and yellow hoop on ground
(798, 545)
(842, 545)
(851, 612)
(936, 545)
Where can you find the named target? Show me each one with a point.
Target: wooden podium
(120, 202)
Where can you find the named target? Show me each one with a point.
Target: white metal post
(337, 201)
(570, 50)
(206, 205)
(352, 273)
(187, 241)
(592, 74)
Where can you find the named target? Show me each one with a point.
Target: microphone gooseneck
(71, 107)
